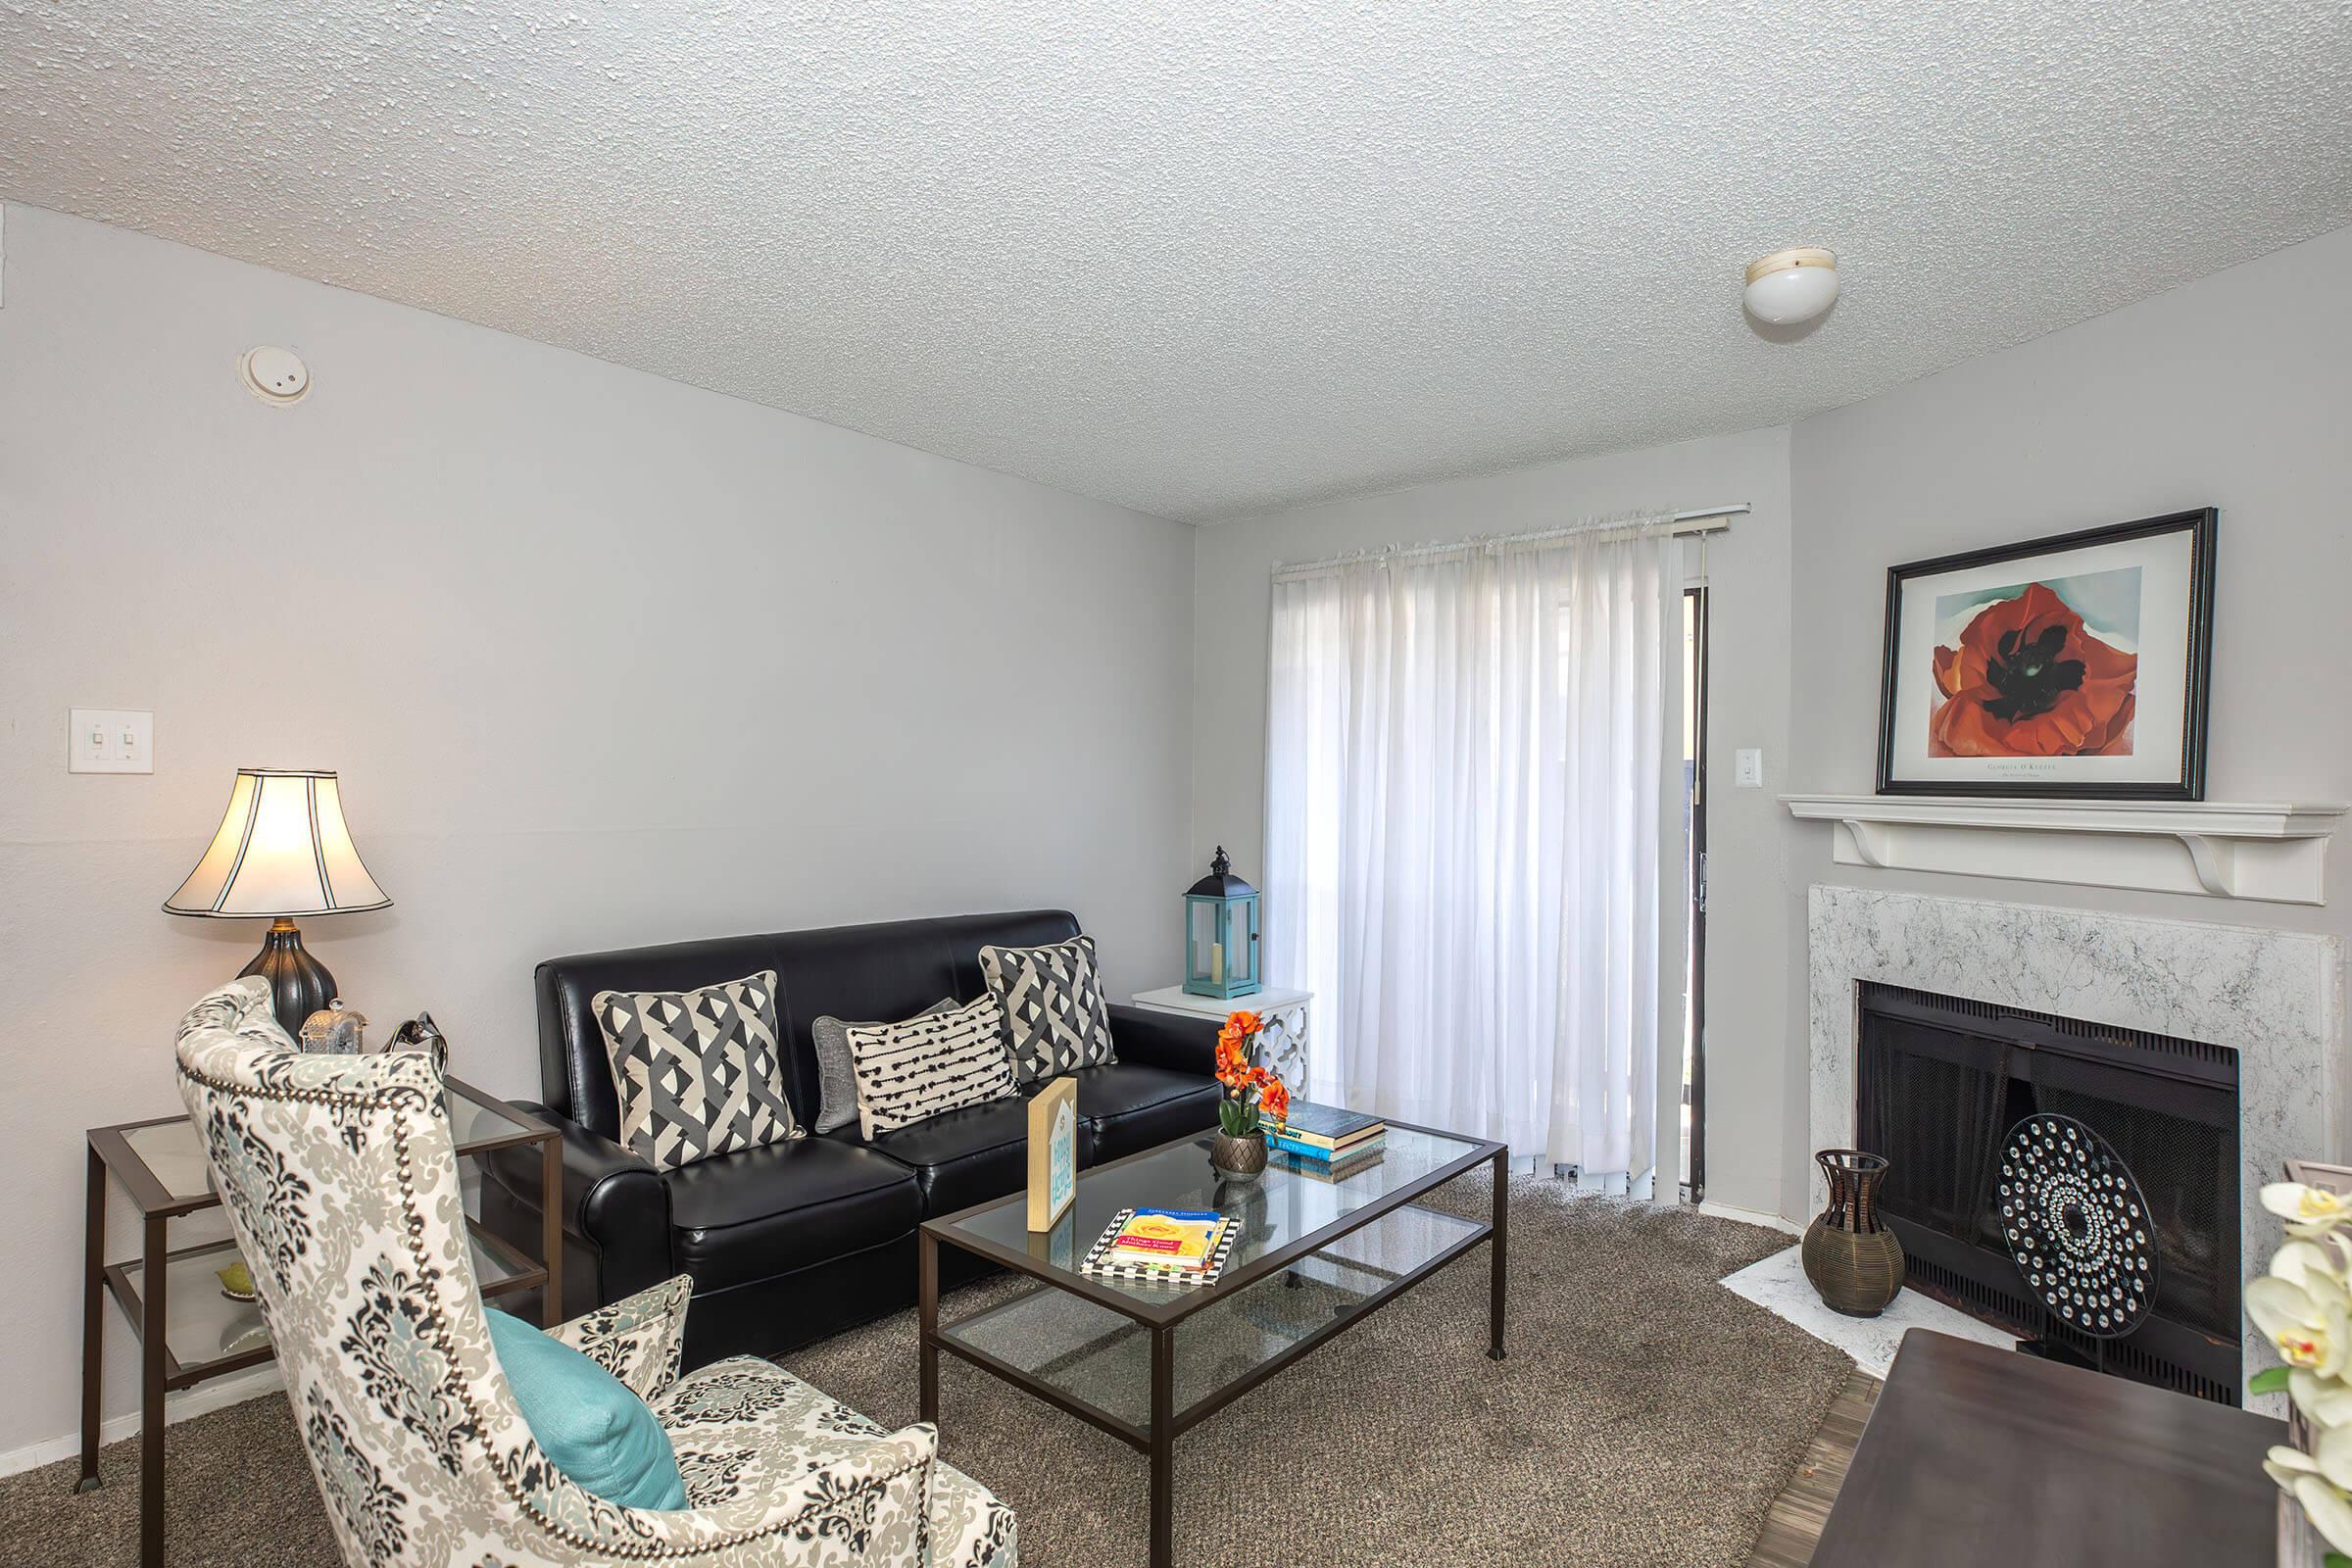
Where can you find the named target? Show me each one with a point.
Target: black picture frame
(2201, 525)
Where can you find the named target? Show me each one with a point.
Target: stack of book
(1162, 1247)
(1328, 1142)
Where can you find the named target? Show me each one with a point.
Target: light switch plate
(110, 740)
(1748, 768)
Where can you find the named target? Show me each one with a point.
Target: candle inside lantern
(1216, 962)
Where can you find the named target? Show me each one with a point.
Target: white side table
(1283, 1014)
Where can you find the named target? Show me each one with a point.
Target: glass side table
(188, 1331)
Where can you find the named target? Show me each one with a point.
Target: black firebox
(1941, 1082)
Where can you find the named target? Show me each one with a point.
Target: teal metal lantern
(1220, 933)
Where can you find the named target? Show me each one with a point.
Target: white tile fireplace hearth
(2272, 996)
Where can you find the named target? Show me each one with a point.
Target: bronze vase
(1850, 1254)
(1238, 1159)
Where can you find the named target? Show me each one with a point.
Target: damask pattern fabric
(696, 1071)
(837, 1068)
(1055, 1017)
(597, 1429)
(939, 1061)
(340, 1184)
(739, 1424)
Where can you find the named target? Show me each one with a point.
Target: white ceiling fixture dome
(1793, 285)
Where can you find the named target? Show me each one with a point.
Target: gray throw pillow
(837, 1071)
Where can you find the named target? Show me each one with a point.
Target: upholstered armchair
(340, 1181)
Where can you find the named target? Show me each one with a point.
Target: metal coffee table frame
(1159, 1316)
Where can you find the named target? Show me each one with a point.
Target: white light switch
(110, 740)
(1748, 768)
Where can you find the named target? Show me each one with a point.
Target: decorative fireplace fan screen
(2077, 1226)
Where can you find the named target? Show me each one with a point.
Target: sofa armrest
(611, 1199)
(1167, 1040)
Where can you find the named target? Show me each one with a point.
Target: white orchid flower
(2328, 1508)
(2313, 1265)
(2309, 1211)
(2301, 1307)
(2286, 1465)
(2323, 1502)
(2327, 1401)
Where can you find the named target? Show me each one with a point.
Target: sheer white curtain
(1465, 752)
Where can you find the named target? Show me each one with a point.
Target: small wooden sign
(1053, 1151)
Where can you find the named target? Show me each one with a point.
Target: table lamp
(283, 851)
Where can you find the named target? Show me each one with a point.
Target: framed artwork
(2076, 666)
(1053, 1151)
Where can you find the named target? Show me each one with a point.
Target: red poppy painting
(2028, 676)
(2071, 666)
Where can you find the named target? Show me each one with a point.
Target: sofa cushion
(1055, 1019)
(837, 1068)
(769, 1210)
(697, 1070)
(1128, 1108)
(967, 1156)
(933, 1063)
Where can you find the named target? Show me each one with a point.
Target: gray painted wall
(1752, 905)
(601, 659)
(2234, 391)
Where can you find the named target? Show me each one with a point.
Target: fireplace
(1939, 1081)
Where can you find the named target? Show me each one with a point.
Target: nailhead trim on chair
(391, 1099)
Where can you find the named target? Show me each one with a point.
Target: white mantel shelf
(2216, 849)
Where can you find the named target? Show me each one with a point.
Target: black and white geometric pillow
(1055, 1019)
(696, 1071)
(937, 1061)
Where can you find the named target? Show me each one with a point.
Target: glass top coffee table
(1145, 1361)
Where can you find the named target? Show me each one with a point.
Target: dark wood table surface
(1979, 1455)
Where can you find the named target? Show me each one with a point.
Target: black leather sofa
(792, 1241)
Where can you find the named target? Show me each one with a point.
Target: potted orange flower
(1253, 1098)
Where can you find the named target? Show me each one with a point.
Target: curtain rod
(1694, 520)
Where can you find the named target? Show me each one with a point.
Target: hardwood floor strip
(1792, 1529)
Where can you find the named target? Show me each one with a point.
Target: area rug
(1645, 1416)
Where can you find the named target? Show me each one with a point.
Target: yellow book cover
(1170, 1237)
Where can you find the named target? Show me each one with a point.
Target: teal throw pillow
(586, 1420)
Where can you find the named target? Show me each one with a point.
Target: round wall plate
(275, 375)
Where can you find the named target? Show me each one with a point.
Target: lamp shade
(283, 851)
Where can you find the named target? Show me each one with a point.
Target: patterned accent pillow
(1055, 1019)
(837, 1070)
(696, 1071)
(939, 1061)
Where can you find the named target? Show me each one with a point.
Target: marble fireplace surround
(2274, 997)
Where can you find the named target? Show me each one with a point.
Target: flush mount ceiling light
(1791, 286)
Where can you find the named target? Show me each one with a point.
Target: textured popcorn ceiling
(1208, 258)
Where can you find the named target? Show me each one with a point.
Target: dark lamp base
(299, 984)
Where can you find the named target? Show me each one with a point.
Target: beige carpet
(1645, 1416)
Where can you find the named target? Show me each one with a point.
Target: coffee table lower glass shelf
(1101, 1359)
(1146, 1362)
